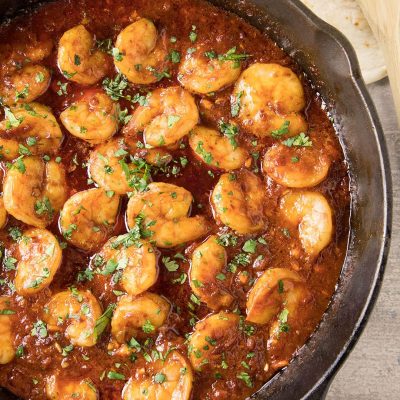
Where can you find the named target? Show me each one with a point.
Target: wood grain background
(372, 371)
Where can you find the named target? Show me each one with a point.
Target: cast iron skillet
(331, 64)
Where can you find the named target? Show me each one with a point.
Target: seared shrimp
(238, 202)
(7, 349)
(220, 330)
(140, 52)
(177, 380)
(311, 213)
(3, 213)
(165, 208)
(32, 126)
(208, 262)
(139, 316)
(76, 311)
(169, 115)
(107, 167)
(39, 259)
(34, 190)
(25, 85)
(270, 292)
(78, 59)
(269, 95)
(138, 262)
(58, 388)
(87, 218)
(299, 168)
(201, 74)
(216, 150)
(93, 118)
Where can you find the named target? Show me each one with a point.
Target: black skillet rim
(320, 387)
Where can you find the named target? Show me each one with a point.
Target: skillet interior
(330, 63)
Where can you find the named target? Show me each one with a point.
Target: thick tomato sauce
(25, 376)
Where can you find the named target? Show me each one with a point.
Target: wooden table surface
(372, 371)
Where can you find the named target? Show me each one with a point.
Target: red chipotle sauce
(241, 362)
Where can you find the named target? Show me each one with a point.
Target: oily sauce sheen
(243, 346)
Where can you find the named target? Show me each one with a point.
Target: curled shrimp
(93, 118)
(76, 311)
(238, 202)
(32, 126)
(141, 52)
(296, 168)
(63, 388)
(212, 335)
(7, 349)
(177, 382)
(137, 261)
(269, 95)
(25, 85)
(88, 217)
(39, 256)
(108, 168)
(208, 262)
(312, 214)
(216, 150)
(139, 316)
(270, 292)
(34, 190)
(169, 116)
(77, 58)
(201, 74)
(164, 208)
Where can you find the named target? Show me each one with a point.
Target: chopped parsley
(39, 329)
(104, 320)
(207, 157)
(250, 246)
(230, 131)
(283, 130)
(301, 140)
(170, 264)
(236, 104)
(159, 377)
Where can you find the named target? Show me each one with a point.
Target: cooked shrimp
(311, 213)
(77, 311)
(270, 292)
(165, 208)
(7, 349)
(139, 316)
(170, 115)
(60, 388)
(137, 260)
(269, 95)
(208, 262)
(78, 59)
(25, 85)
(93, 118)
(39, 259)
(3, 213)
(108, 168)
(220, 330)
(32, 126)
(87, 218)
(176, 376)
(34, 190)
(201, 74)
(238, 202)
(296, 168)
(141, 53)
(216, 150)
